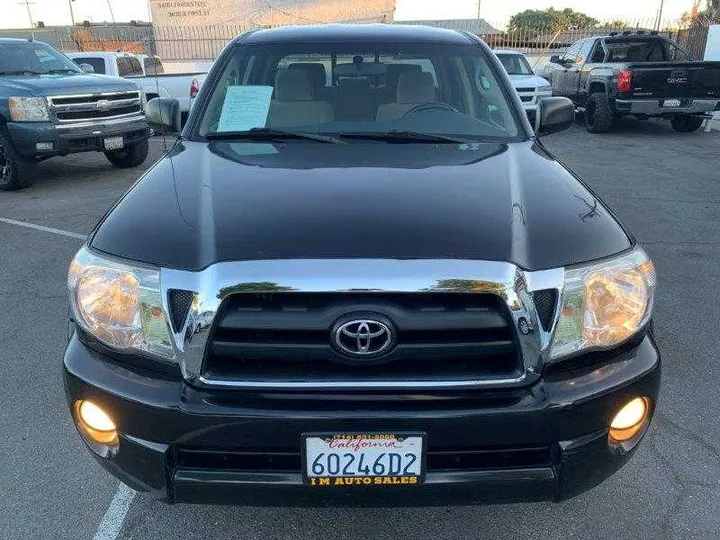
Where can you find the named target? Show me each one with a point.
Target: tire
(686, 123)
(130, 156)
(16, 171)
(598, 115)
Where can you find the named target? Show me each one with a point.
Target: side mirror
(87, 68)
(555, 59)
(163, 115)
(554, 114)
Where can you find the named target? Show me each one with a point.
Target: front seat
(294, 103)
(414, 88)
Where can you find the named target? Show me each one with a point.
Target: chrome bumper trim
(100, 122)
(653, 107)
(212, 285)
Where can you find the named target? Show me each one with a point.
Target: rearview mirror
(554, 114)
(163, 115)
(87, 68)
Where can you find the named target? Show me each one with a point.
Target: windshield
(351, 88)
(515, 64)
(24, 57)
(644, 50)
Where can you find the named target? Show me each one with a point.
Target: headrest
(358, 86)
(395, 70)
(293, 85)
(416, 87)
(316, 71)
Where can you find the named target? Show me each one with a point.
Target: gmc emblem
(677, 80)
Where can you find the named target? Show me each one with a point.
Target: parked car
(155, 82)
(50, 107)
(639, 74)
(360, 276)
(530, 87)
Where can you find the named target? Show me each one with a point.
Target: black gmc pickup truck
(359, 277)
(50, 107)
(639, 74)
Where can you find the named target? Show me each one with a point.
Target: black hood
(65, 84)
(230, 201)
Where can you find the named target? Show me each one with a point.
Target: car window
(336, 88)
(584, 51)
(572, 53)
(25, 57)
(515, 64)
(153, 65)
(644, 50)
(129, 66)
(598, 53)
(98, 64)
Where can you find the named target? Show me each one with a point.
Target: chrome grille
(286, 337)
(81, 108)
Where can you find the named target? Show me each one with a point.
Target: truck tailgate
(676, 79)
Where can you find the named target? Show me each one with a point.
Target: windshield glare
(515, 64)
(34, 58)
(330, 89)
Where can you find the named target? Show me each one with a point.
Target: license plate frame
(671, 104)
(113, 143)
(395, 480)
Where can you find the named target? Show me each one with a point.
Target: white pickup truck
(146, 70)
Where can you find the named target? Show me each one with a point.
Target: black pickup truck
(359, 277)
(51, 107)
(639, 74)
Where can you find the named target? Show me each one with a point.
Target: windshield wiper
(64, 70)
(405, 136)
(20, 72)
(266, 134)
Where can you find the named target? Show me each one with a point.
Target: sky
(497, 12)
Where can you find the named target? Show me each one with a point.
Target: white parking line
(112, 521)
(43, 228)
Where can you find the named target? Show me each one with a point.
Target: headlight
(28, 109)
(544, 88)
(604, 304)
(119, 304)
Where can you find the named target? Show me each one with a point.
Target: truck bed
(675, 79)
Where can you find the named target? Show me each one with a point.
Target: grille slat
(286, 337)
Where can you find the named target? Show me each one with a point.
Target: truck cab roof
(351, 33)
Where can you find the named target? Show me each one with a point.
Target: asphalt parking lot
(664, 186)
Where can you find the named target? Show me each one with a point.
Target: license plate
(113, 143)
(362, 459)
(671, 103)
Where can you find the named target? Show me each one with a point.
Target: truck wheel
(686, 123)
(16, 171)
(598, 115)
(130, 156)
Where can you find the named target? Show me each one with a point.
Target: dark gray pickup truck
(639, 74)
(50, 107)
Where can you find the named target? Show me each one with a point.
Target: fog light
(629, 421)
(44, 146)
(95, 423)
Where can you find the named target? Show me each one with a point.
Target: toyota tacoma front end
(359, 278)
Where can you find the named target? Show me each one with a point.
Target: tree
(550, 20)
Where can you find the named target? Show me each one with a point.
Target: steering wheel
(435, 106)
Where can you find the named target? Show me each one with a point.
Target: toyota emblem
(363, 337)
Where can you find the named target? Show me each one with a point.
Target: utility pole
(659, 17)
(479, 3)
(72, 15)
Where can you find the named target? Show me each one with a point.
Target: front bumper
(181, 444)
(73, 138)
(654, 107)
